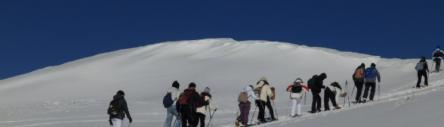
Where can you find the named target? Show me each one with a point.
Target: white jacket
(175, 93)
(250, 92)
(265, 91)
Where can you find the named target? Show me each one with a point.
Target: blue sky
(40, 33)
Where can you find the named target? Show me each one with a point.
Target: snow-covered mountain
(76, 94)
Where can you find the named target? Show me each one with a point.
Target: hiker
(263, 90)
(316, 85)
(188, 102)
(422, 68)
(244, 107)
(296, 95)
(437, 55)
(245, 97)
(358, 78)
(206, 106)
(371, 75)
(330, 95)
(117, 110)
(170, 103)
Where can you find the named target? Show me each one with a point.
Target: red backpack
(359, 73)
(184, 98)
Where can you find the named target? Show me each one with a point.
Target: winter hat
(263, 78)
(207, 89)
(176, 84)
(362, 65)
(192, 85)
(120, 92)
(423, 59)
(299, 80)
(323, 76)
(373, 65)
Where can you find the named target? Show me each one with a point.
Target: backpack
(296, 88)
(370, 73)
(167, 100)
(312, 82)
(419, 66)
(243, 97)
(359, 73)
(115, 108)
(184, 98)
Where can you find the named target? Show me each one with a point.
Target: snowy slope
(77, 93)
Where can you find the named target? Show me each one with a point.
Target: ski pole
(346, 87)
(254, 112)
(305, 98)
(379, 90)
(275, 111)
(353, 91)
(211, 117)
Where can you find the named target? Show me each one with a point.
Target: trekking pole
(353, 90)
(346, 87)
(275, 111)
(254, 112)
(379, 91)
(211, 117)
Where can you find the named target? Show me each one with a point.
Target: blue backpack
(167, 100)
(370, 73)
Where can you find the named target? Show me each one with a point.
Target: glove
(215, 109)
(130, 120)
(110, 122)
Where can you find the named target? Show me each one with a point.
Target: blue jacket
(371, 74)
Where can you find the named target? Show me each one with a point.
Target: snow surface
(76, 94)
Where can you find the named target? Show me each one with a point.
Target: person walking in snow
(358, 78)
(118, 109)
(245, 97)
(437, 55)
(206, 106)
(330, 95)
(371, 75)
(296, 95)
(316, 85)
(422, 68)
(188, 101)
(264, 92)
(171, 98)
(244, 108)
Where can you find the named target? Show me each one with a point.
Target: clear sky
(39, 33)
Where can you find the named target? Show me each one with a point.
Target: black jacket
(319, 84)
(193, 102)
(124, 108)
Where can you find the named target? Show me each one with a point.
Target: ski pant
(116, 122)
(172, 112)
(261, 105)
(420, 74)
(189, 118)
(329, 95)
(316, 104)
(437, 64)
(359, 84)
(270, 108)
(244, 108)
(372, 87)
(296, 103)
(200, 119)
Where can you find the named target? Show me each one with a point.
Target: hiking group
(190, 109)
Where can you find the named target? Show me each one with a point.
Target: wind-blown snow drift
(77, 93)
